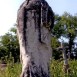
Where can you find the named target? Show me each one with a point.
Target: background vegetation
(65, 27)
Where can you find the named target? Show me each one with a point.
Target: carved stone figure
(35, 20)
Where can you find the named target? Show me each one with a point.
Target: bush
(10, 69)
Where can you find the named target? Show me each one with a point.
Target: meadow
(56, 69)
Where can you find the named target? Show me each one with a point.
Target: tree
(70, 24)
(65, 26)
(55, 44)
(9, 44)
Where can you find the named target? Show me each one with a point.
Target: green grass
(12, 70)
(56, 66)
(56, 69)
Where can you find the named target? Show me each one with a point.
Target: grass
(56, 69)
(14, 69)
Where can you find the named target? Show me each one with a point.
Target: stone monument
(35, 20)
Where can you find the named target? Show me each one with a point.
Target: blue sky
(60, 6)
(8, 11)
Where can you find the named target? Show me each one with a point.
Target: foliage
(9, 44)
(57, 54)
(66, 26)
(55, 44)
(12, 70)
(56, 69)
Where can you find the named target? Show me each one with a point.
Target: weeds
(56, 69)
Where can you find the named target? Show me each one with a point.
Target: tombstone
(35, 20)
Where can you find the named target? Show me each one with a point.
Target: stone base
(66, 68)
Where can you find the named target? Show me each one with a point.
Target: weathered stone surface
(35, 21)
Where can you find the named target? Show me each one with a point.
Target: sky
(8, 11)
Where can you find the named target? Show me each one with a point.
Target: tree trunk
(34, 37)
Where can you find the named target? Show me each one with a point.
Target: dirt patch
(3, 66)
